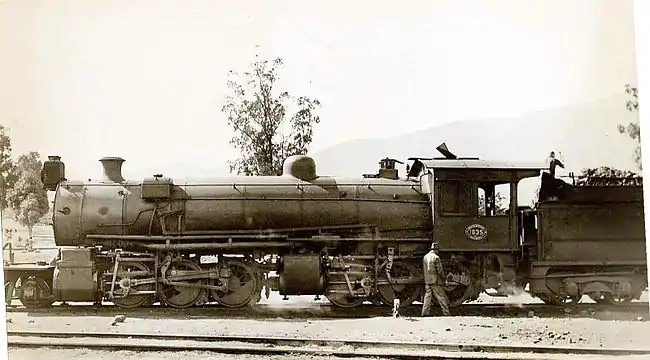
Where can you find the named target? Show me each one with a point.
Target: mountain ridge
(607, 112)
(586, 135)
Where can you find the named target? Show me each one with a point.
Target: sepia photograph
(429, 179)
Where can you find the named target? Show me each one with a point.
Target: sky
(145, 80)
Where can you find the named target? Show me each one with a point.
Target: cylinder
(301, 275)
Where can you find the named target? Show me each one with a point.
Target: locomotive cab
(474, 203)
(476, 219)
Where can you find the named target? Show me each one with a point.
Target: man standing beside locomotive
(434, 279)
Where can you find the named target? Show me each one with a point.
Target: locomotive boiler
(116, 213)
(319, 234)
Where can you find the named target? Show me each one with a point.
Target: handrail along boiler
(229, 239)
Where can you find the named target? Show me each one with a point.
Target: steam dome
(302, 167)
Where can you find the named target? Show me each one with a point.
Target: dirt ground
(575, 332)
(580, 333)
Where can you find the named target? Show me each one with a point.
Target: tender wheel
(242, 285)
(555, 288)
(407, 293)
(557, 300)
(459, 286)
(123, 279)
(609, 299)
(35, 293)
(179, 296)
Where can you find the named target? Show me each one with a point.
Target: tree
(607, 176)
(633, 103)
(633, 128)
(27, 198)
(264, 132)
(7, 177)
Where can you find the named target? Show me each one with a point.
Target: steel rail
(263, 351)
(313, 306)
(290, 344)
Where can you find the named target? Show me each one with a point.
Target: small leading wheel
(242, 286)
(407, 293)
(179, 296)
(123, 278)
(35, 293)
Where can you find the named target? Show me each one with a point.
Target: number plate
(476, 232)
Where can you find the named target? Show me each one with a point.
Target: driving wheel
(241, 286)
(459, 283)
(185, 294)
(124, 277)
(407, 293)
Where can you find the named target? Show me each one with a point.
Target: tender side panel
(606, 194)
(592, 232)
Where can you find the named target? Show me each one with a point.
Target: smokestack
(112, 169)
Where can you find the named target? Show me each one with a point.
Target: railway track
(283, 346)
(324, 311)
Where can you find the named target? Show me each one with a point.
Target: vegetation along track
(279, 346)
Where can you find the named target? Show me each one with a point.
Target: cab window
(457, 198)
(493, 199)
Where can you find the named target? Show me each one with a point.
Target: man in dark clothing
(552, 188)
(434, 279)
(552, 163)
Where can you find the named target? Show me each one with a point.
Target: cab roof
(478, 164)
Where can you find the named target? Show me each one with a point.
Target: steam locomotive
(229, 240)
